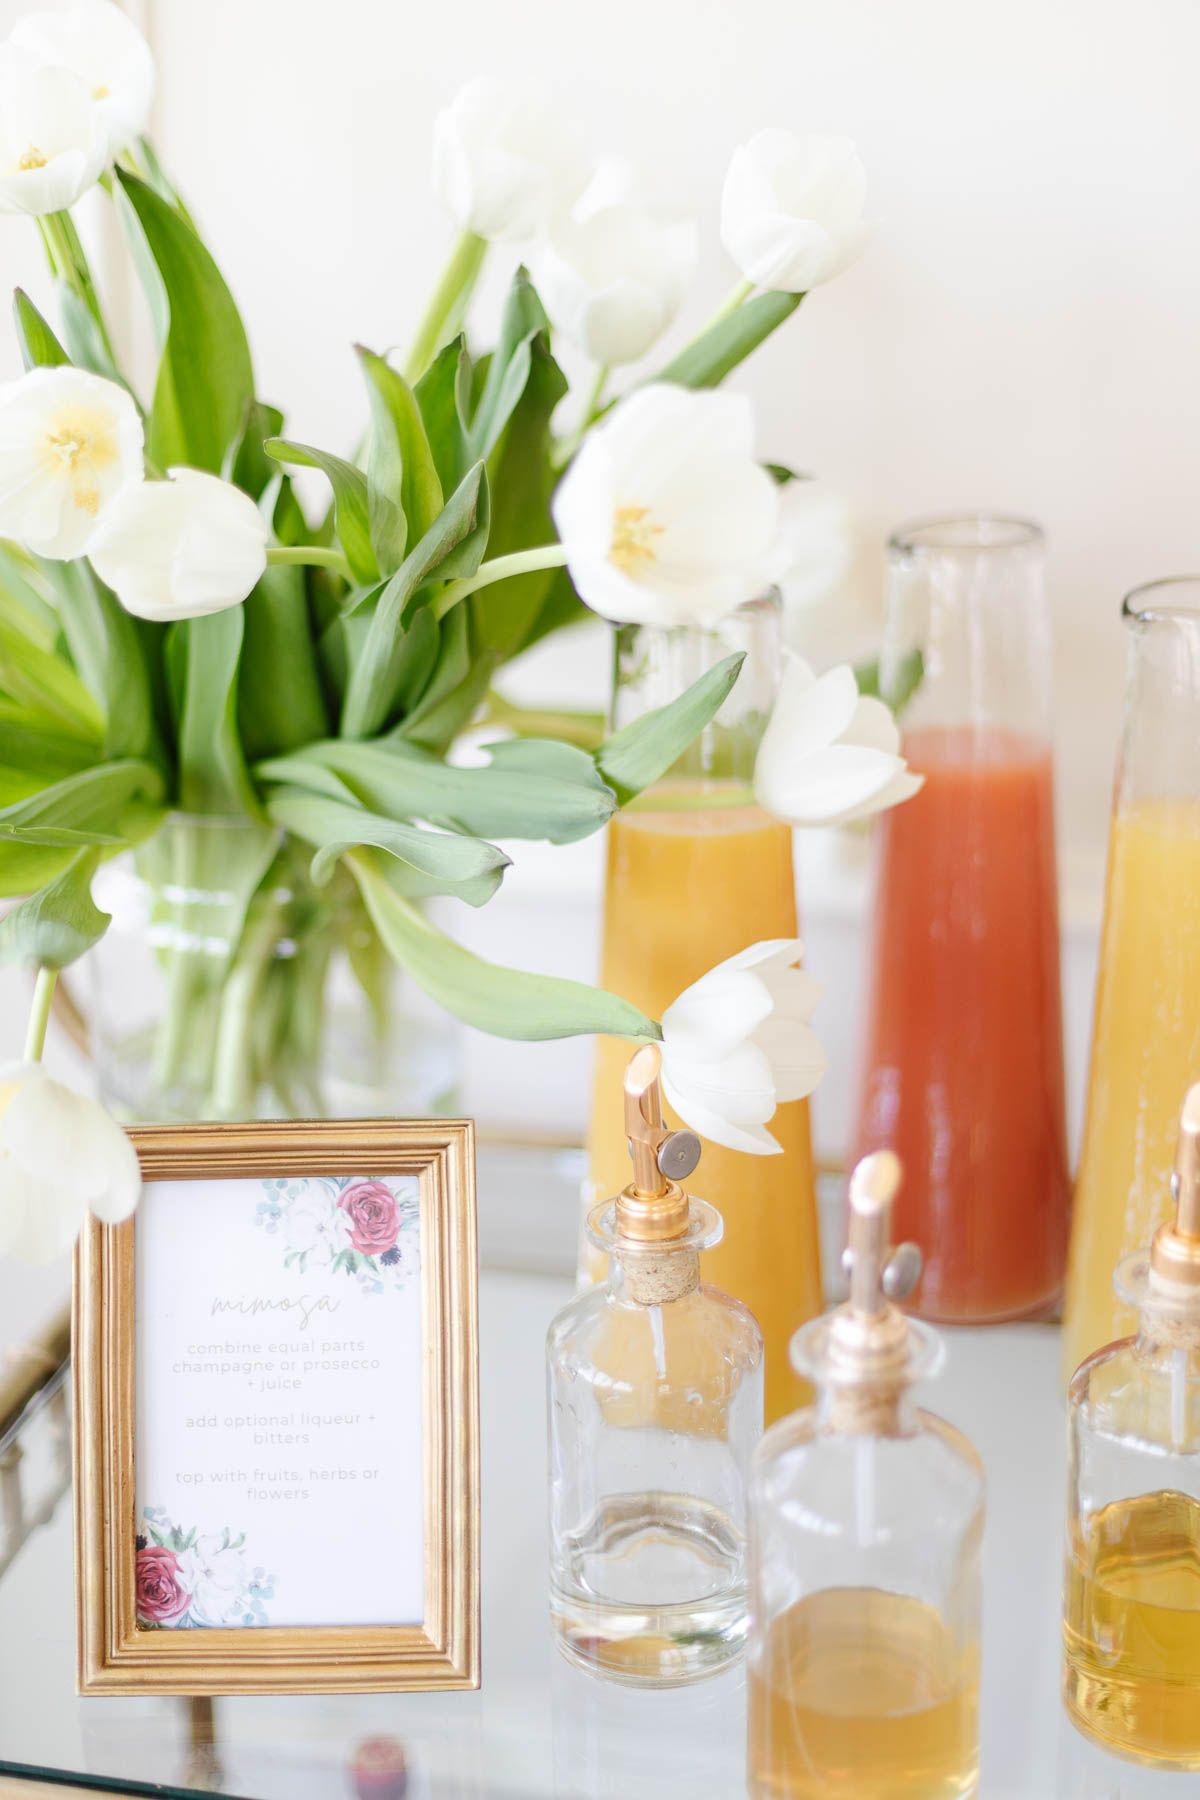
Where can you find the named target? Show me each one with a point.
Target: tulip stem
(562, 453)
(321, 556)
(447, 304)
(69, 263)
(501, 568)
(39, 1014)
(734, 298)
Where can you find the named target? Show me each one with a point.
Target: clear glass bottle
(696, 872)
(1131, 1608)
(963, 1071)
(1146, 1041)
(655, 1404)
(866, 1524)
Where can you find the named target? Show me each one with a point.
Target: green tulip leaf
(428, 862)
(25, 597)
(350, 503)
(457, 686)
(84, 338)
(44, 682)
(521, 479)
(452, 547)
(107, 648)
(205, 380)
(40, 349)
(56, 837)
(508, 369)
(706, 362)
(280, 702)
(247, 464)
(203, 657)
(530, 789)
(116, 803)
(638, 754)
(56, 925)
(443, 395)
(507, 1003)
(404, 493)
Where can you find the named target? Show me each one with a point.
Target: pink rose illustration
(161, 1595)
(373, 1215)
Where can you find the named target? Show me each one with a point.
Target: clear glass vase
(696, 872)
(230, 986)
(963, 1069)
(1146, 1035)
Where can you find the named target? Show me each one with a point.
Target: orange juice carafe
(1146, 1031)
(696, 872)
(963, 1072)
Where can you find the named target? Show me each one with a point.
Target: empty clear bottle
(866, 1523)
(1131, 1626)
(655, 1404)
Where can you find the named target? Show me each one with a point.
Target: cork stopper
(654, 1229)
(866, 1352)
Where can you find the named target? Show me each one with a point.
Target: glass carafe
(696, 872)
(964, 1061)
(1146, 1032)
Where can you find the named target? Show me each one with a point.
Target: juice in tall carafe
(964, 1072)
(1145, 1053)
(692, 881)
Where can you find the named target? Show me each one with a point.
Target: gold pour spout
(1175, 1252)
(653, 1207)
(869, 1338)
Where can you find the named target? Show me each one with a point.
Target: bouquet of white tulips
(181, 641)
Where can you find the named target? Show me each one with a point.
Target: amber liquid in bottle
(1132, 1628)
(863, 1695)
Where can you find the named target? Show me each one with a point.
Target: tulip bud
(181, 548)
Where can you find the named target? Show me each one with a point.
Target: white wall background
(1024, 333)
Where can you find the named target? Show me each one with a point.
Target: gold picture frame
(115, 1654)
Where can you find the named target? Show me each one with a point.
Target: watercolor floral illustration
(194, 1578)
(364, 1226)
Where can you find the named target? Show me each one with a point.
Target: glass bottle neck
(968, 628)
(1160, 749)
(654, 666)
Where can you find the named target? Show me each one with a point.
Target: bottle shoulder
(1138, 1392)
(802, 1454)
(707, 1308)
(704, 1338)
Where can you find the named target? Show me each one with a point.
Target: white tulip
(70, 444)
(53, 140)
(665, 515)
(829, 755)
(61, 1156)
(737, 1043)
(613, 281)
(792, 209)
(508, 162)
(100, 44)
(181, 548)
